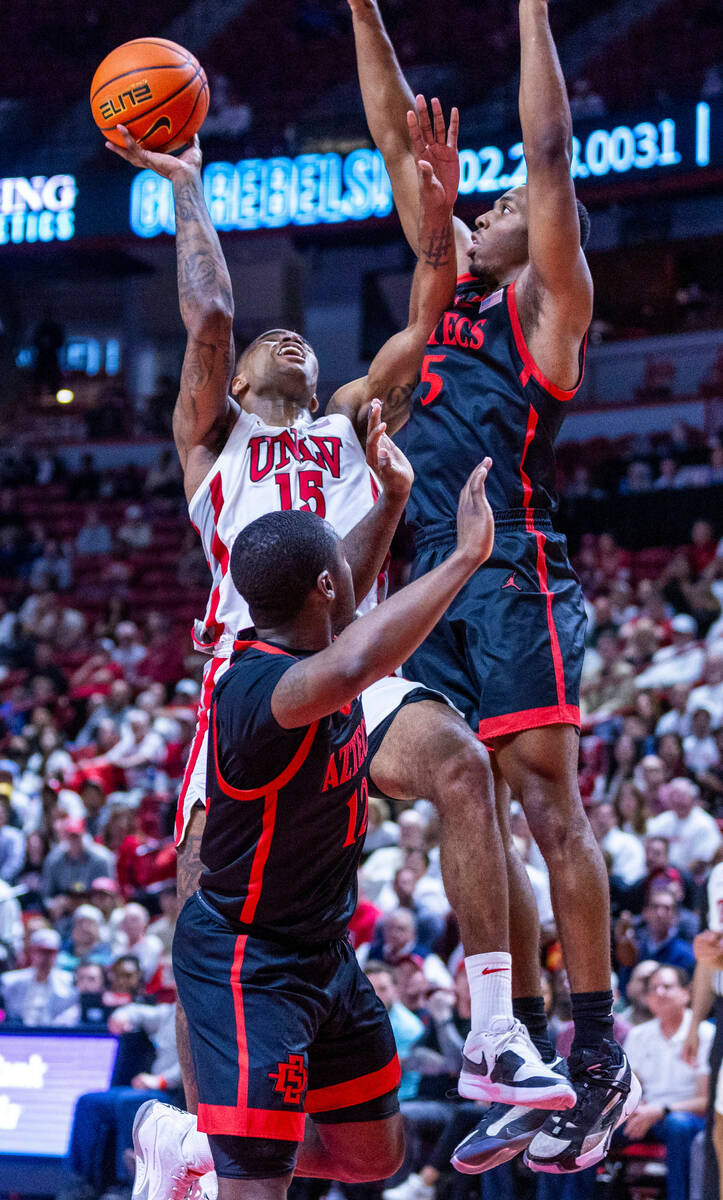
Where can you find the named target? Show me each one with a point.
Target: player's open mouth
(295, 353)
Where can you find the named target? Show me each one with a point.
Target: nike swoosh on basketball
(161, 123)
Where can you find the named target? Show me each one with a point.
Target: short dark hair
(584, 217)
(276, 561)
(375, 966)
(680, 972)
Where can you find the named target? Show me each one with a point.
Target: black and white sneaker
(503, 1065)
(607, 1093)
(504, 1132)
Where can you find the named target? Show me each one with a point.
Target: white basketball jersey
(314, 465)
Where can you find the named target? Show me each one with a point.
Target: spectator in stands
(656, 937)
(76, 860)
(135, 533)
(85, 942)
(103, 1121)
(139, 750)
(104, 895)
(138, 941)
(407, 1028)
(674, 1094)
(89, 1008)
(625, 849)
(84, 484)
(164, 658)
(637, 478)
(650, 777)
(11, 928)
(630, 808)
(93, 796)
(693, 835)
(677, 718)
(93, 537)
(702, 549)
(710, 693)
(129, 649)
(116, 702)
(637, 1010)
(37, 994)
(670, 749)
(54, 567)
(611, 687)
(668, 471)
(658, 871)
(382, 863)
(12, 840)
(125, 980)
(381, 831)
(163, 478)
(700, 751)
(164, 926)
(401, 894)
(681, 662)
(398, 940)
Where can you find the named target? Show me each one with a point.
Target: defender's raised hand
(435, 152)
(167, 165)
(475, 523)
(386, 459)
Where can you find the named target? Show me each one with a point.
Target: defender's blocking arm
(204, 412)
(557, 263)
(394, 371)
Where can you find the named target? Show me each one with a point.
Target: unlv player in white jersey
(260, 449)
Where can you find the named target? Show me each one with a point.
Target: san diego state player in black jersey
(282, 1020)
(500, 369)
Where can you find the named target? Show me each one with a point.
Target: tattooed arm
(204, 411)
(394, 371)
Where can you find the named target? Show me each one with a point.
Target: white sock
(490, 987)
(196, 1151)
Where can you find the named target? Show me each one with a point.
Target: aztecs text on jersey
(314, 465)
(481, 393)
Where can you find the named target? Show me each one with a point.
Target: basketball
(155, 88)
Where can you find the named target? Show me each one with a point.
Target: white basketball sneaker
(168, 1161)
(502, 1064)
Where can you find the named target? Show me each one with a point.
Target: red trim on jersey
(201, 731)
(242, 1098)
(219, 550)
(554, 640)
(468, 277)
(526, 482)
(239, 645)
(529, 718)
(531, 367)
(251, 1122)
(354, 1091)
(261, 854)
(276, 784)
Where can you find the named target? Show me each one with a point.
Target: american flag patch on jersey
(490, 301)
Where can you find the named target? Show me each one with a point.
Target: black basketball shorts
(279, 1030)
(508, 652)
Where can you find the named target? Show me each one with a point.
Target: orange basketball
(155, 88)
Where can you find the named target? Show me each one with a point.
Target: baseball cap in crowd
(74, 825)
(187, 687)
(47, 939)
(8, 766)
(88, 910)
(684, 623)
(105, 884)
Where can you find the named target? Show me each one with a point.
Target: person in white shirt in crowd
(699, 747)
(650, 776)
(135, 533)
(37, 994)
(710, 693)
(708, 990)
(625, 849)
(12, 840)
(146, 946)
(129, 649)
(139, 748)
(693, 834)
(674, 1091)
(681, 662)
(164, 926)
(11, 928)
(677, 718)
(381, 865)
(381, 830)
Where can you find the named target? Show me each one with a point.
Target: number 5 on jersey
(310, 491)
(436, 383)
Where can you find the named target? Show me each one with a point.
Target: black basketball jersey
(481, 393)
(286, 809)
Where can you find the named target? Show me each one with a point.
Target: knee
(556, 819)
(463, 779)
(681, 1126)
(387, 1158)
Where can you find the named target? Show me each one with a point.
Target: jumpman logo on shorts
(511, 583)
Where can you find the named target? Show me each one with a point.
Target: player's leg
(189, 870)
(428, 750)
(352, 1152)
(540, 766)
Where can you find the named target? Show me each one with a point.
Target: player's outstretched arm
(557, 264)
(366, 545)
(387, 99)
(378, 643)
(394, 371)
(204, 411)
